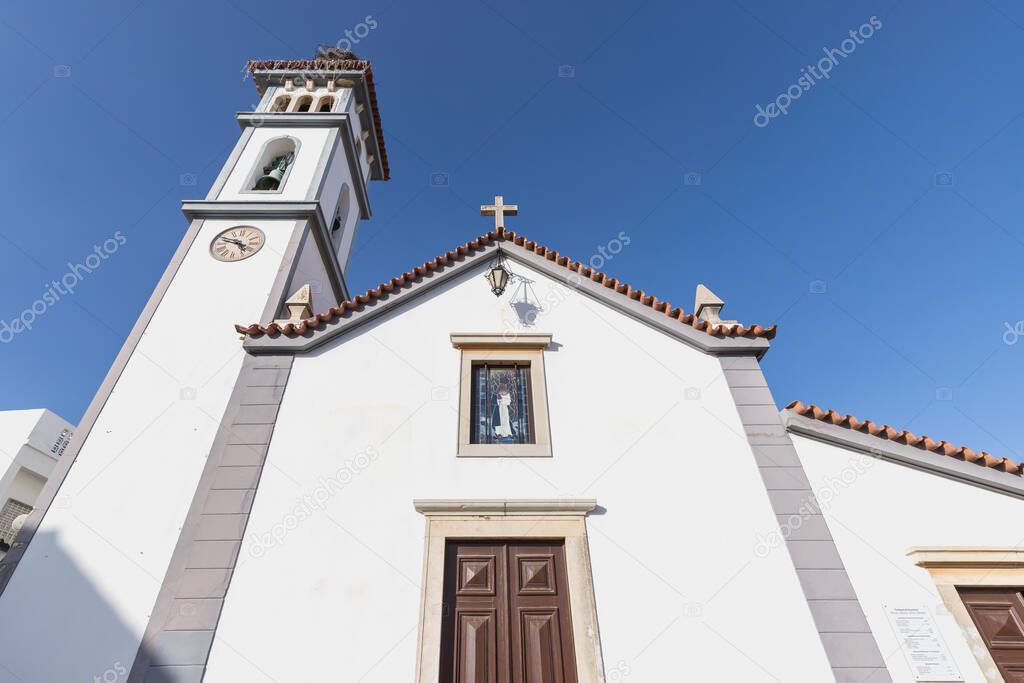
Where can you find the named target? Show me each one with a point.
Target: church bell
(271, 180)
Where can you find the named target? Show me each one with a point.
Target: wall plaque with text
(922, 644)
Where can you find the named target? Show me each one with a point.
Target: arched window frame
(304, 101)
(281, 104)
(325, 100)
(264, 158)
(341, 212)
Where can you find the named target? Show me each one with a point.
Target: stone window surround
(521, 347)
(970, 567)
(561, 519)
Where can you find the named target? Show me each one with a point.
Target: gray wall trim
(377, 168)
(184, 620)
(659, 321)
(902, 454)
(308, 119)
(266, 99)
(285, 271)
(269, 77)
(356, 171)
(229, 165)
(322, 235)
(271, 210)
(24, 537)
(845, 634)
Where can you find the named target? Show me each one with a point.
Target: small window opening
(304, 104)
(326, 104)
(281, 103)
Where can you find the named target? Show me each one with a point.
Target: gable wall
(877, 510)
(331, 565)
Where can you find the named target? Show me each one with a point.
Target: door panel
(998, 613)
(541, 660)
(506, 614)
(477, 645)
(474, 623)
(542, 642)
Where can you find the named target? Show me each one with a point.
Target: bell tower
(282, 214)
(307, 153)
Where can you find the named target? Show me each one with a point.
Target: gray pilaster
(184, 619)
(849, 644)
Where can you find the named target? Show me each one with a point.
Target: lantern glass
(498, 277)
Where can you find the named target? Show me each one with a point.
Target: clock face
(235, 244)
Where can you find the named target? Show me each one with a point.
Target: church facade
(501, 465)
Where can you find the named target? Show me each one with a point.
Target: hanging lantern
(498, 276)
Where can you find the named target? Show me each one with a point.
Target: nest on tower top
(335, 54)
(308, 65)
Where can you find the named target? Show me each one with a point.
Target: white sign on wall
(922, 644)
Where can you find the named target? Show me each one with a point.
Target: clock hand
(241, 245)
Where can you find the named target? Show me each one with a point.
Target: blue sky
(877, 222)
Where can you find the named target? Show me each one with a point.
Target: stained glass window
(501, 404)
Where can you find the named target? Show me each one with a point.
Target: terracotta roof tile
(925, 443)
(339, 65)
(501, 234)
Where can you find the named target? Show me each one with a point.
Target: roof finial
(499, 209)
(300, 307)
(708, 307)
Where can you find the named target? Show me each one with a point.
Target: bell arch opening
(273, 165)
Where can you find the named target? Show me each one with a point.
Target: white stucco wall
(331, 589)
(877, 510)
(91, 574)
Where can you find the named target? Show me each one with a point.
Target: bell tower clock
(282, 213)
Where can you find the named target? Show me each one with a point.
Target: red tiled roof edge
(339, 64)
(502, 234)
(903, 436)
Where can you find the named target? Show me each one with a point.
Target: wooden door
(999, 615)
(506, 613)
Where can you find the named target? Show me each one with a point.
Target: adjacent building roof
(407, 279)
(332, 65)
(905, 437)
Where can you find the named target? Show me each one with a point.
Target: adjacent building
(31, 444)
